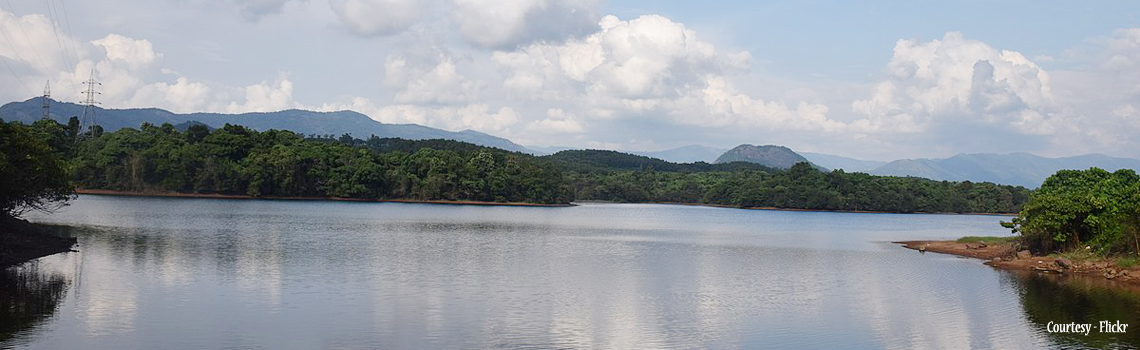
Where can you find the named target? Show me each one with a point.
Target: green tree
(1082, 207)
(34, 175)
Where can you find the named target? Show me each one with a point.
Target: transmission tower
(47, 100)
(87, 121)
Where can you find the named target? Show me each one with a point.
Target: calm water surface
(160, 273)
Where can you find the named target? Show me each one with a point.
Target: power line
(26, 38)
(67, 30)
(16, 51)
(2, 58)
(52, 17)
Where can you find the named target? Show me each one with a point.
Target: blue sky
(852, 39)
(873, 80)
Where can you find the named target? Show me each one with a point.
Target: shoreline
(118, 193)
(796, 209)
(479, 203)
(1006, 257)
(26, 241)
(876, 211)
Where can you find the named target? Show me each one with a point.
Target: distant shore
(468, 202)
(234, 196)
(1005, 256)
(796, 209)
(877, 212)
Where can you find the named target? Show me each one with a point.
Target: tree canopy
(275, 163)
(801, 187)
(33, 171)
(1076, 208)
(237, 160)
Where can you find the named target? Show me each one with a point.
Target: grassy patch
(987, 239)
(1078, 255)
(1127, 262)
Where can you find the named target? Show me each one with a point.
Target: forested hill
(779, 157)
(237, 160)
(299, 121)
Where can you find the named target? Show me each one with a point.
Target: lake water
(168, 273)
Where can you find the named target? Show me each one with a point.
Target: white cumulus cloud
(1101, 91)
(31, 47)
(266, 97)
(434, 80)
(721, 104)
(378, 17)
(473, 116)
(647, 67)
(557, 121)
(135, 52)
(507, 23)
(648, 57)
(128, 69)
(956, 80)
(183, 96)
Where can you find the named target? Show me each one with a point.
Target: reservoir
(180, 273)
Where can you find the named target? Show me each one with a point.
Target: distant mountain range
(1012, 169)
(546, 151)
(839, 162)
(299, 121)
(686, 154)
(1021, 169)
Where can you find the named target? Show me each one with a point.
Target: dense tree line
(801, 187)
(1091, 208)
(238, 160)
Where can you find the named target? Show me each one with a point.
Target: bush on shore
(1078, 209)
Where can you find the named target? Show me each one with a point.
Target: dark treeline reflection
(1048, 298)
(28, 296)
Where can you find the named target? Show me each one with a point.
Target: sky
(878, 80)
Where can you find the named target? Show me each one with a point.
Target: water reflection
(264, 274)
(29, 296)
(1048, 298)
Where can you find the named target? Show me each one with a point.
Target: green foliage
(618, 177)
(34, 174)
(1074, 208)
(237, 160)
(275, 163)
(1127, 262)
